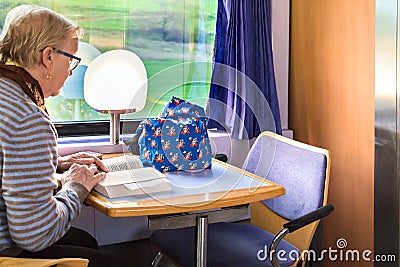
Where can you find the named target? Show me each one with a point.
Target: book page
(131, 176)
(125, 162)
(154, 185)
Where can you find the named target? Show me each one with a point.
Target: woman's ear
(47, 56)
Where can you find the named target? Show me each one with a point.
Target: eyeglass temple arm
(295, 225)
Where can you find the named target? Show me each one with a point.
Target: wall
(331, 104)
(280, 47)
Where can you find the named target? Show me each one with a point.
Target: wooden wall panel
(331, 104)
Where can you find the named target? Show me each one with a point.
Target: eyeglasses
(74, 61)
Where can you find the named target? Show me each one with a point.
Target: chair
(25, 262)
(304, 171)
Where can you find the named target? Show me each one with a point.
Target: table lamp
(116, 83)
(73, 87)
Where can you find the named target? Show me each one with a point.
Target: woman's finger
(100, 165)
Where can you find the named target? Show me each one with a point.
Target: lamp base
(115, 128)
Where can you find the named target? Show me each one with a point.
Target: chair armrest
(295, 225)
(222, 157)
(309, 218)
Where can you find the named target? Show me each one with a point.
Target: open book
(128, 177)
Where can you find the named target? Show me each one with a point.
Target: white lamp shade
(73, 87)
(116, 80)
(87, 53)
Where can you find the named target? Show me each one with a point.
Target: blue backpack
(177, 139)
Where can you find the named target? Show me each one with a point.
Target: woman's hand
(86, 175)
(64, 163)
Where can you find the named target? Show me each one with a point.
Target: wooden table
(195, 198)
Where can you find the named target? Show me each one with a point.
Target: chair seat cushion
(228, 244)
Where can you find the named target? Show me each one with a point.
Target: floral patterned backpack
(177, 139)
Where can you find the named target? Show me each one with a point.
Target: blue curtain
(243, 98)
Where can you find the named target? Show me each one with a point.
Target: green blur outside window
(163, 33)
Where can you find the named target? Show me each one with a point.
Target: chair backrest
(302, 169)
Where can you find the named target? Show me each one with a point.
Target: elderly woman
(37, 48)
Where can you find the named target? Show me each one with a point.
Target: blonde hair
(29, 29)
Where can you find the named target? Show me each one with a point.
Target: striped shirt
(32, 217)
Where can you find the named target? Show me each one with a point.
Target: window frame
(92, 128)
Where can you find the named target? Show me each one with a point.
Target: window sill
(100, 144)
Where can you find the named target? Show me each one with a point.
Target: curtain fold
(243, 98)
